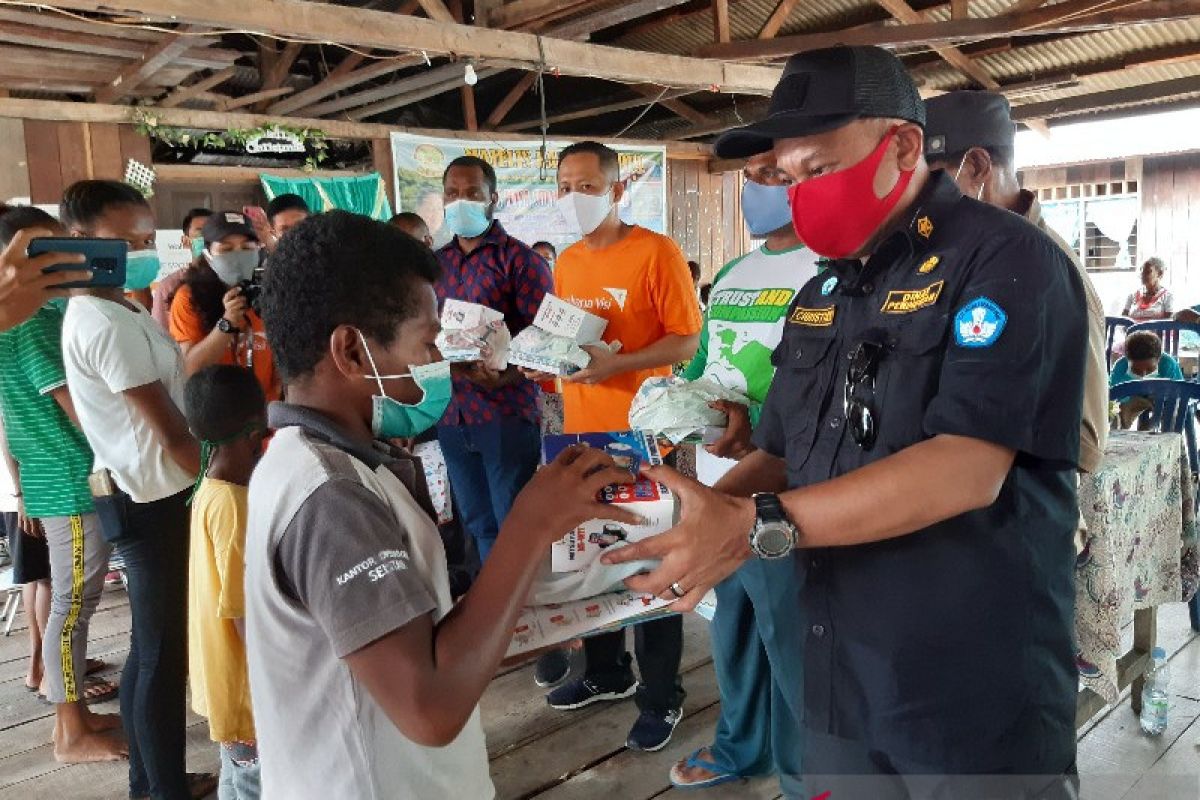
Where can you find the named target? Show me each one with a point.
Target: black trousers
(155, 550)
(659, 648)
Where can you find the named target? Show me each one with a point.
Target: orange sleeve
(673, 294)
(186, 325)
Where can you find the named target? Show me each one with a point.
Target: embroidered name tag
(909, 300)
(813, 317)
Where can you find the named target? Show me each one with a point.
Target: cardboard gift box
(471, 332)
(553, 343)
(651, 500)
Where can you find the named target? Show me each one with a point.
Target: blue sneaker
(552, 668)
(653, 730)
(584, 692)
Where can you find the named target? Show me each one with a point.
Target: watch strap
(769, 507)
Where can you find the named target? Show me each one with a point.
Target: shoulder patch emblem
(929, 265)
(979, 323)
(829, 285)
(906, 301)
(925, 227)
(813, 317)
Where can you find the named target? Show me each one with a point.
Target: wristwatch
(774, 535)
(225, 326)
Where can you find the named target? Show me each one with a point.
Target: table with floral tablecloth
(1140, 549)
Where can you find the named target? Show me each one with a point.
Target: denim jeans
(489, 465)
(239, 772)
(155, 550)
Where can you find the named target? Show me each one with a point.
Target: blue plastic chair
(1167, 330)
(1174, 411)
(1111, 326)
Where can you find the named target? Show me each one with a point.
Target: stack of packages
(552, 343)
(471, 332)
(578, 595)
(678, 411)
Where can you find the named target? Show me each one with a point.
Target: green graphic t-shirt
(745, 317)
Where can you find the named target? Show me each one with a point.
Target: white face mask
(585, 212)
(961, 164)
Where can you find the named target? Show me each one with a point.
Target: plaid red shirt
(504, 274)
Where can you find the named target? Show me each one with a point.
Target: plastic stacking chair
(1111, 326)
(1174, 411)
(1167, 330)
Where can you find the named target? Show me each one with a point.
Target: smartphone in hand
(105, 258)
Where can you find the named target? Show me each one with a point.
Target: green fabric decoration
(362, 194)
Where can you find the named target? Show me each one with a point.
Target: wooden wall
(1169, 226)
(1100, 172)
(56, 154)
(705, 214)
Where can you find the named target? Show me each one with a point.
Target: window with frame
(1099, 220)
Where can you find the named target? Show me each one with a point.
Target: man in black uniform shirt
(923, 429)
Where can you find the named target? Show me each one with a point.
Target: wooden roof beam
(903, 12)
(1098, 101)
(436, 10)
(583, 27)
(1072, 16)
(346, 80)
(363, 28)
(720, 13)
(134, 75)
(509, 100)
(584, 113)
(422, 80)
(231, 103)
(98, 44)
(196, 89)
(527, 13)
(416, 96)
(777, 19)
(675, 105)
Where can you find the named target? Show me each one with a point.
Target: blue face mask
(765, 208)
(467, 218)
(391, 419)
(141, 268)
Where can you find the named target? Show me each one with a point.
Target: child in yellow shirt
(226, 410)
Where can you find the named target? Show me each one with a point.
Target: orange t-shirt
(642, 286)
(187, 327)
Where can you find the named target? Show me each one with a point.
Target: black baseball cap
(958, 121)
(821, 90)
(227, 223)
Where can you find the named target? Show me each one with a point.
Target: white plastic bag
(676, 409)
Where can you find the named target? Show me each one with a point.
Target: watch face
(773, 539)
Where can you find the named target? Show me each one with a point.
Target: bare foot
(89, 748)
(99, 723)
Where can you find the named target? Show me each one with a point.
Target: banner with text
(526, 186)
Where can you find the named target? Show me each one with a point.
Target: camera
(252, 290)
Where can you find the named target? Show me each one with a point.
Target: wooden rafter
(1072, 16)
(415, 96)
(1027, 5)
(675, 105)
(436, 10)
(583, 113)
(527, 13)
(346, 80)
(134, 75)
(273, 78)
(363, 28)
(199, 55)
(196, 89)
(231, 103)
(509, 100)
(582, 27)
(466, 91)
(777, 19)
(425, 78)
(212, 120)
(905, 13)
(1114, 98)
(720, 12)
(960, 9)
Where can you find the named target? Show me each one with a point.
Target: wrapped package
(437, 478)
(554, 342)
(677, 410)
(653, 501)
(471, 332)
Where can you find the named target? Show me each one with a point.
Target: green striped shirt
(53, 454)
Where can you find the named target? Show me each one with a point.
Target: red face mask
(835, 214)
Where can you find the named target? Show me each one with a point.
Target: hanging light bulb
(469, 75)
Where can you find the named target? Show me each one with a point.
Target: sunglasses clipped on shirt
(858, 402)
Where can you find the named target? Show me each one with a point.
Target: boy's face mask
(391, 419)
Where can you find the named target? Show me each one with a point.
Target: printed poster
(526, 186)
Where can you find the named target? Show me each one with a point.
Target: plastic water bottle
(1155, 699)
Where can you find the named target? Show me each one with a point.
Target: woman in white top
(1153, 300)
(126, 378)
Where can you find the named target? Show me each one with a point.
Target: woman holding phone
(212, 314)
(126, 378)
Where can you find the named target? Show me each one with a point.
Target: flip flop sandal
(95, 665)
(720, 774)
(98, 690)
